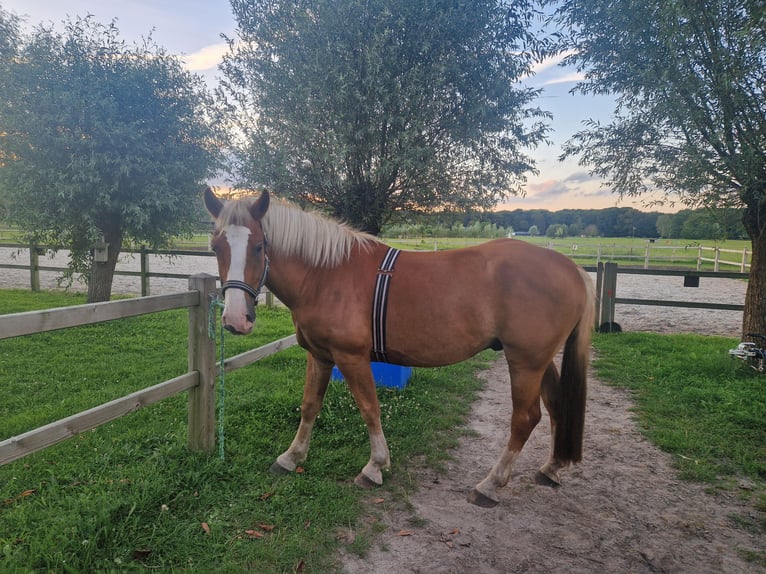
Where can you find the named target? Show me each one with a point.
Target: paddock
(199, 381)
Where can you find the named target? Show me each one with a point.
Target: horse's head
(240, 246)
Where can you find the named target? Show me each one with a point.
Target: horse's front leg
(317, 379)
(358, 375)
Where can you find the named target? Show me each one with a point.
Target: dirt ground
(623, 509)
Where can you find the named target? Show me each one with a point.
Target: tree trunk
(362, 206)
(754, 319)
(102, 274)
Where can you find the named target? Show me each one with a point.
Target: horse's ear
(260, 207)
(212, 203)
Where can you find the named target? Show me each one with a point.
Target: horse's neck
(289, 277)
(286, 279)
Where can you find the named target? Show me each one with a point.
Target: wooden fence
(657, 255)
(34, 267)
(606, 290)
(199, 381)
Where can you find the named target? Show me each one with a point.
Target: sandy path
(623, 509)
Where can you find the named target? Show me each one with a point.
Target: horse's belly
(435, 348)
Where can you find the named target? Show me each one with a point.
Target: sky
(192, 29)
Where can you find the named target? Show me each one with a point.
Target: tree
(690, 116)
(99, 141)
(665, 226)
(556, 230)
(372, 107)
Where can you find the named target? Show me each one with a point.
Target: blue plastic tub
(385, 375)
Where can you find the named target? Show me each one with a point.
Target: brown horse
(353, 300)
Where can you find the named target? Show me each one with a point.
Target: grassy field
(129, 496)
(696, 402)
(586, 250)
(622, 250)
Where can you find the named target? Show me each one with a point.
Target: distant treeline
(609, 222)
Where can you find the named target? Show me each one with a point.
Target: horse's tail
(572, 386)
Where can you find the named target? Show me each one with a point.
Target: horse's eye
(258, 249)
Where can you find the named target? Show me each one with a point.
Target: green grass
(129, 496)
(695, 402)
(629, 251)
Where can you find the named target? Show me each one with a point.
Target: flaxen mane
(291, 231)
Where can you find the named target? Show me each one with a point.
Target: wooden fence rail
(606, 290)
(199, 381)
(659, 255)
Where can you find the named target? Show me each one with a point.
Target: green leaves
(690, 118)
(100, 138)
(369, 108)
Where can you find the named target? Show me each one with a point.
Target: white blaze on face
(235, 301)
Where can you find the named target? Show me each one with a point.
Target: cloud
(581, 177)
(206, 58)
(565, 78)
(550, 72)
(577, 184)
(551, 61)
(550, 189)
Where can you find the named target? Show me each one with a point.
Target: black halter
(235, 284)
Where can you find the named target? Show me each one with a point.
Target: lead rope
(217, 303)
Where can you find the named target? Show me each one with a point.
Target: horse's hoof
(365, 482)
(278, 469)
(479, 499)
(545, 480)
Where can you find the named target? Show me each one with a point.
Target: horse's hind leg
(548, 473)
(317, 379)
(525, 392)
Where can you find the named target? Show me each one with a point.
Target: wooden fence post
(144, 257)
(599, 283)
(742, 267)
(608, 293)
(202, 359)
(34, 267)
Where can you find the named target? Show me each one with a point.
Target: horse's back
(455, 303)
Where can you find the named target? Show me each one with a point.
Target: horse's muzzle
(238, 313)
